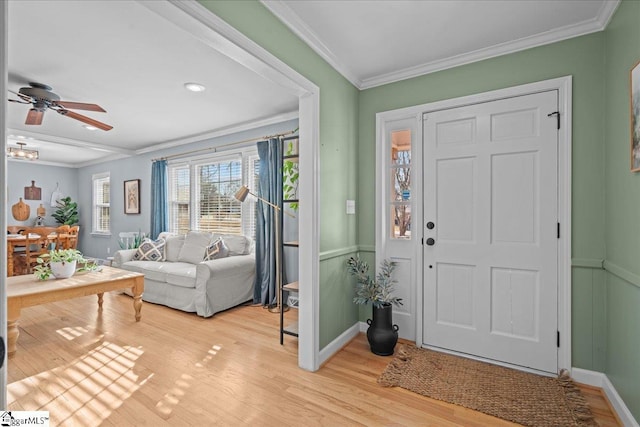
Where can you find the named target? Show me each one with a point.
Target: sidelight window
(400, 194)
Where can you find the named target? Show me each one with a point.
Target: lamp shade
(242, 193)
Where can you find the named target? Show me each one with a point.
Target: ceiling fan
(41, 97)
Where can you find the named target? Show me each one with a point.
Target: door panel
(490, 183)
(513, 203)
(455, 199)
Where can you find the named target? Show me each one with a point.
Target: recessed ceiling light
(194, 87)
(89, 127)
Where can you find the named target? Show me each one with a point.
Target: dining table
(17, 241)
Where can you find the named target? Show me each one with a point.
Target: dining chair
(59, 238)
(72, 241)
(34, 247)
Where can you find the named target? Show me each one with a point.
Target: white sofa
(184, 282)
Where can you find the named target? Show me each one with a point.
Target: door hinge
(558, 230)
(558, 339)
(557, 114)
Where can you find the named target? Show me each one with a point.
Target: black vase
(382, 333)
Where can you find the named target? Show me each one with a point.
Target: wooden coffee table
(27, 291)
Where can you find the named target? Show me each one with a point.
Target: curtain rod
(215, 149)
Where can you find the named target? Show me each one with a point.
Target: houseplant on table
(382, 333)
(62, 263)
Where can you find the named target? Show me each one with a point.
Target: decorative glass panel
(400, 174)
(401, 221)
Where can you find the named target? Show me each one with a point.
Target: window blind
(201, 194)
(101, 203)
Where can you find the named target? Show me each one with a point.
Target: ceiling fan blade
(80, 106)
(18, 101)
(21, 96)
(84, 119)
(34, 117)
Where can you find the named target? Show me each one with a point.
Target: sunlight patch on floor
(172, 397)
(72, 333)
(86, 390)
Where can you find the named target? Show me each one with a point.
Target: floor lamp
(241, 196)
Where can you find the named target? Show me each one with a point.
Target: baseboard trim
(337, 344)
(598, 379)
(364, 326)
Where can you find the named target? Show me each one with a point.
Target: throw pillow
(150, 250)
(194, 245)
(238, 245)
(172, 247)
(216, 250)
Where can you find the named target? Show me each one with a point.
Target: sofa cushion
(237, 244)
(195, 243)
(150, 250)
(217, 249)
(152, 270)
(176, 273)
(172, 247)
(182, 274)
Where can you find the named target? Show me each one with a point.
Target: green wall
(622, 213)
(338, 152)
(581, 58)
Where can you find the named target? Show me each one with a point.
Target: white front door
(491, 230)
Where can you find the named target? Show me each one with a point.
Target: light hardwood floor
(91, 368)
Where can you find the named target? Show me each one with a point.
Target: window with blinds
(101, 205)
(201, 195)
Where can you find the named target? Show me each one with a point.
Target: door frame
(564, 87)
(4, 18)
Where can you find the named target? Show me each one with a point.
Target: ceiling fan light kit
(40, 96)
(22, 153)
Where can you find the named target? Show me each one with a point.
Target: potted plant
(67, 212)
(62, 263)
(133, 242)
(382, 334)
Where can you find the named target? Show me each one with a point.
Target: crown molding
(253, 124)
(112, 153)
(285, 14)
(596, 24)
(291, 19)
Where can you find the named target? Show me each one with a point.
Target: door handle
(430, 225)
(430, 242)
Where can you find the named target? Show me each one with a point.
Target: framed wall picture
(132, 196)
(635, 118)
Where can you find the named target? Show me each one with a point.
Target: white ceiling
(377, 42)
(133, 62)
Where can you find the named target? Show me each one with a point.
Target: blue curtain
(159, 198)
(270, 189)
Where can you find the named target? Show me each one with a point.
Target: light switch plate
(351, 207)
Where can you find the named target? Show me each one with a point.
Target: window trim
(95, 179)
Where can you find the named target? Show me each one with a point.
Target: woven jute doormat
(521, 397)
